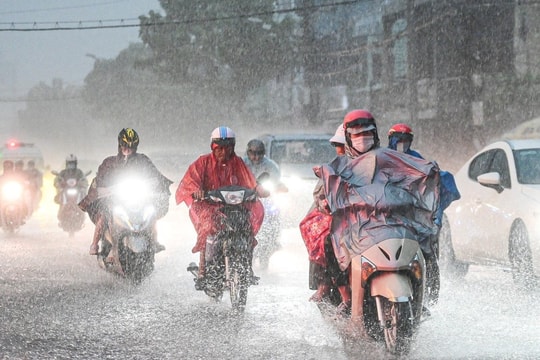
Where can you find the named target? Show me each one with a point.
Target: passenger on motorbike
(320, 280)
(70, 172)
(338, 140)
(221, 167)
(400, 138)
(360, 137)
(111, 170)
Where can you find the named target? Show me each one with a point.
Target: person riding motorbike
(9, 174)
(360, 137)
(35, 179)
(259, 164)
(127, 161)
(400, 138)
(70, 172)
(221, 167)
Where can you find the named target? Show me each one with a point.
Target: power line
(93, 5)
(79, 25)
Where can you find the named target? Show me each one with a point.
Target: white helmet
(223, 136)
(71, 161)
(339, 136)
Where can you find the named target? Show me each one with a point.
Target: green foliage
(232, 45)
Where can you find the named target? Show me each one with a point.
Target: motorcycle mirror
(54, 172)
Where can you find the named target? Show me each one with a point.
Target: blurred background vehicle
(16, 150)
(297, 154)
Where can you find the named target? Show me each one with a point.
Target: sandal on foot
(114, 263)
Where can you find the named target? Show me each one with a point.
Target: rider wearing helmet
(126, 161)
(259, 164)
(221, 167)
(70, 172)
(400, 138)
(360, 132)
(360, 136)
(338, 140)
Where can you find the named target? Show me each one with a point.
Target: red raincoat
(206, 173)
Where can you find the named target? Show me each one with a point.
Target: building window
(399, 49)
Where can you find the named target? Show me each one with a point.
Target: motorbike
(268, 236)
(13, 210)
(132, 205)
(70, 216)
(229, 253)
(380, 230)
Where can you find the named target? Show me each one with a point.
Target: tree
(226, 47)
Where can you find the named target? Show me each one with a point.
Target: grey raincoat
(378, 195)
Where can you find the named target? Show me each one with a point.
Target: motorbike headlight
(12, 191)
(269, 185)
(149, 211)
(72, 192)
(133, 191)
(233, 197)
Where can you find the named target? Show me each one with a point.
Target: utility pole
(311, 109)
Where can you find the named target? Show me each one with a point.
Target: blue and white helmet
(223, 136)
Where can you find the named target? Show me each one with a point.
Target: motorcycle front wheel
(239, 273)
(398, 326)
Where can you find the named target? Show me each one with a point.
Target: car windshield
(302, 151)
(528, 166)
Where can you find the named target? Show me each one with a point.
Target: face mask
(403, 146)
(363, 143)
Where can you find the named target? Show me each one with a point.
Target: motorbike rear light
(367, 270)
(416, 269)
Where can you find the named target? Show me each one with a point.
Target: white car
(497, 219)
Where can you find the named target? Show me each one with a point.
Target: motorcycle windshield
(379, 195)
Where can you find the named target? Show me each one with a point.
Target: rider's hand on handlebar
(198, 195)
(262, 192)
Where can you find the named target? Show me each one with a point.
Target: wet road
(56, 303)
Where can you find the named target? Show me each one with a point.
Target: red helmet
(400, 128)
(399, 132)
(364, 119)
(358, 117)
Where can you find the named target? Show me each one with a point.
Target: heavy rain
(74, 73)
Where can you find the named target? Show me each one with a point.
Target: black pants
(331, 274)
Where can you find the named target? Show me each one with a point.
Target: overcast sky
(28, 57)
